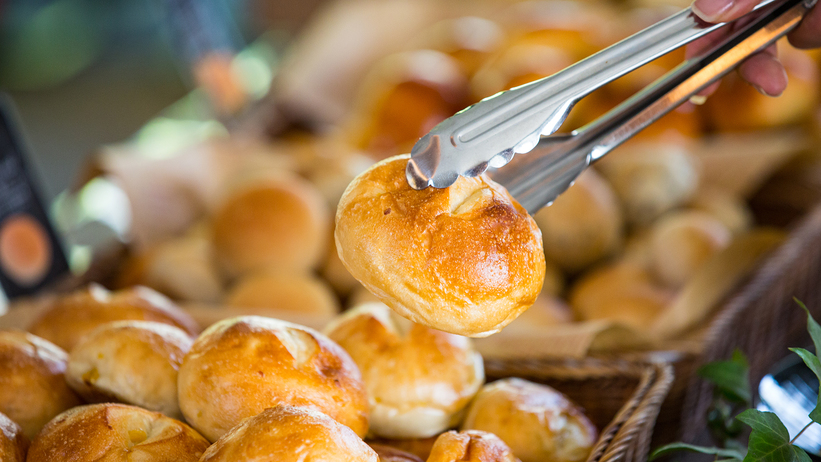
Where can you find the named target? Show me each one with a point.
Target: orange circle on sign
(25, 250)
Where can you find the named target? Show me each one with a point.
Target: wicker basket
(622, 398)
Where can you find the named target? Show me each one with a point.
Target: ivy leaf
(728, 454)
(769, 440)
(811, 360)
(731, 378)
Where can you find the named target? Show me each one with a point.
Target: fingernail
(761, 90)
(698, 100)
(711, 10)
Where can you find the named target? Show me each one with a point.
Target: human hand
(763, 70)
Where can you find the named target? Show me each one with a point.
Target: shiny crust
(72, 316)
(114, 433)
(389, 454)
(13, 443)
(466, 259)
(470, 446)
(32, 387)
(537, 422)
(279, 222)
(133, 362)
(290, 434)
(419, 379)
(295, 292)
(238, 367)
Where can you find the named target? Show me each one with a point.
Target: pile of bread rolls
(126, 375)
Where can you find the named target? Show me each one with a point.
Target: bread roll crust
(133, 362)
(32, 386)
(537, 422)
(13, 443)
(116, 433)
(466, 259)
(419, 379)
(74, 315)
(241, 366)
(470, 446)
(290, 434)
(389, 454)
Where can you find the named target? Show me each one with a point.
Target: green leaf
(729, 454)
(812, 326)
(731, 378)
(769, 440)
(814, 364)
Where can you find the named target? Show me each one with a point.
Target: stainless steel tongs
(490, 132)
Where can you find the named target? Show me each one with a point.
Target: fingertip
(765, 73)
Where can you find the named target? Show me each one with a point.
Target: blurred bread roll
(681, 242)
(278, 290)
(404, 96)
(274, 221)
(469, 39)
(334, 271)
(290, 434)
(583, 225)
(466, 259)
(650, 178)
(360, 296)
(14, 444)
(548, 310)
(114, 433)
(182, 268)
(419, 447)
(470, 446)
(70, 317)
(727, 208)
(419, 379)
(32, 384)
(265, 362)
(620, 292)
(389, 454)
(738, 106)
(554, 280)
(538, 423)
(132, 362)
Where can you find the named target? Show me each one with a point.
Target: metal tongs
(490, 132)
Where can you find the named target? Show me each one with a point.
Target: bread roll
(681, 242)
(727, 208)
(470, 446)
(469, 39)
(296, 292)
(290, 434)
(548, 311)
(553, 280)
(419, 379)
(466, 259)
(116, 433)
(620, 292)
(537, 422)
(14, 444)
(72, 316)
(419, 447)
(32, 386)
(238, 367)
(650, 178)
(273, 221)
(360, 295)
(583, 225)
(389, 454)
(133, 362)
(336, 274)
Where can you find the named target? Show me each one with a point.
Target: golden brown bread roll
(290, 434)
(116, 433)
(419, 447)
(133, 362)
(537, 422)
(72, 316)
(650, 178)
(548, 310)
(727, 208)
(336, 274)
(13, 443)
(470, 446)
(32, 386)
(297, 292)
(418, 379)
(681, 242)
(583, 225)
(621, 292)
(466, 259)
(238, 367)
(275, 221)
(389, 454)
